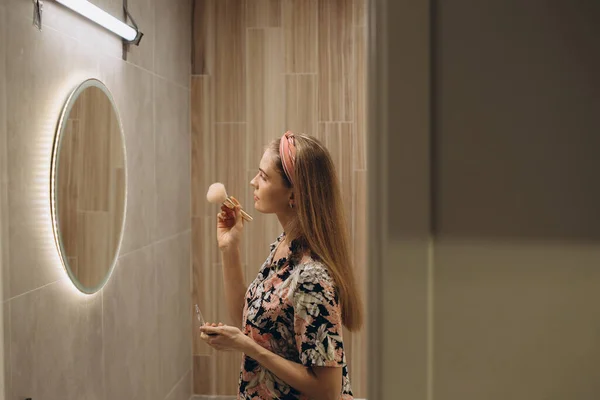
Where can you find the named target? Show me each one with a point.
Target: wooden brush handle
(231, 205)
(246, 216)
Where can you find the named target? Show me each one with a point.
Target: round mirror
(88, 185)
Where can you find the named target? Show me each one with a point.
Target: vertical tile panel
(263, 13)
(301, 103)
(203, 375)
(174, 319)
(300, 32)
(335, 40)
(227, 372)
(230, 91)
(203, 143)
(173, 158)
(360, 12)
(203, 37)
(231, 151)
(226, 365)
(5, 292)
(265, 93)
(202, 290)
(131, 365)
(337, 137)
(360, 104)
(173, 40)
(144, 16)
(358, 372)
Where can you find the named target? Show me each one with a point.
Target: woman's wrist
(249, 347)
(230, 249)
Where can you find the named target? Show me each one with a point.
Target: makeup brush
(218, 195)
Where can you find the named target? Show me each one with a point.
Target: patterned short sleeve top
(292, 309)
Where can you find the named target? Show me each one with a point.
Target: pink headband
(287, 151)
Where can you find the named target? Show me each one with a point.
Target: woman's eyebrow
(263, 171)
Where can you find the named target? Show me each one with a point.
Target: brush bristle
(216, 193)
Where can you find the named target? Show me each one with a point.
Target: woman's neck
(286, 220)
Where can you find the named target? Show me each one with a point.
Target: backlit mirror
(88, 185)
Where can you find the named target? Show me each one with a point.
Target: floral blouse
(292, 309)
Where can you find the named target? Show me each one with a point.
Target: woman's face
(271, 196)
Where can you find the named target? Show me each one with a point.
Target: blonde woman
(292, 314)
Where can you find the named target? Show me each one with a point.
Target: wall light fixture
(130, 34)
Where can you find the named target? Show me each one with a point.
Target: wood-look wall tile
(203, 37)
(360, 104)
(300, 32)
(203, 371)
(263, 13)
(231, 160)
(335, 42)
(360, 12)
(337, 137)
(230, 69)
(265, 94)
(227, 372)
(301, 102)
(201, 286)
(203, 143)
(359, 339)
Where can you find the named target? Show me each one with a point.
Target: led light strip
(102, 18)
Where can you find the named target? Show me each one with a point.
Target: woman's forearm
(296, 375)
(235, 285)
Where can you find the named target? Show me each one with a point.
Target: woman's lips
(255, 198)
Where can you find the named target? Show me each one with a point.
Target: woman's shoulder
(314, 271)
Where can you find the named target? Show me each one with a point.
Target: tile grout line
(176, 384)
(33, 290)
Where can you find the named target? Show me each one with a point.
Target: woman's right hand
(230, 225)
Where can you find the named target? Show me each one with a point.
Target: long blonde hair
(320, 223)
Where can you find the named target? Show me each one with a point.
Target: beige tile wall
(261, 67)
(131, 340)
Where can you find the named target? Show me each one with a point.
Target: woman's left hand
(223, 337)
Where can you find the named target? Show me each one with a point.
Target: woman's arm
(235, 286)
(319, 383)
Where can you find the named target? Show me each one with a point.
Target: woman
(292, 314)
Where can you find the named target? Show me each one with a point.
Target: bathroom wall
(491, 286)
(3, 202)
(259, 68)
(131, 340)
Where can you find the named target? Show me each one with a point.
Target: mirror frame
(66, 111)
